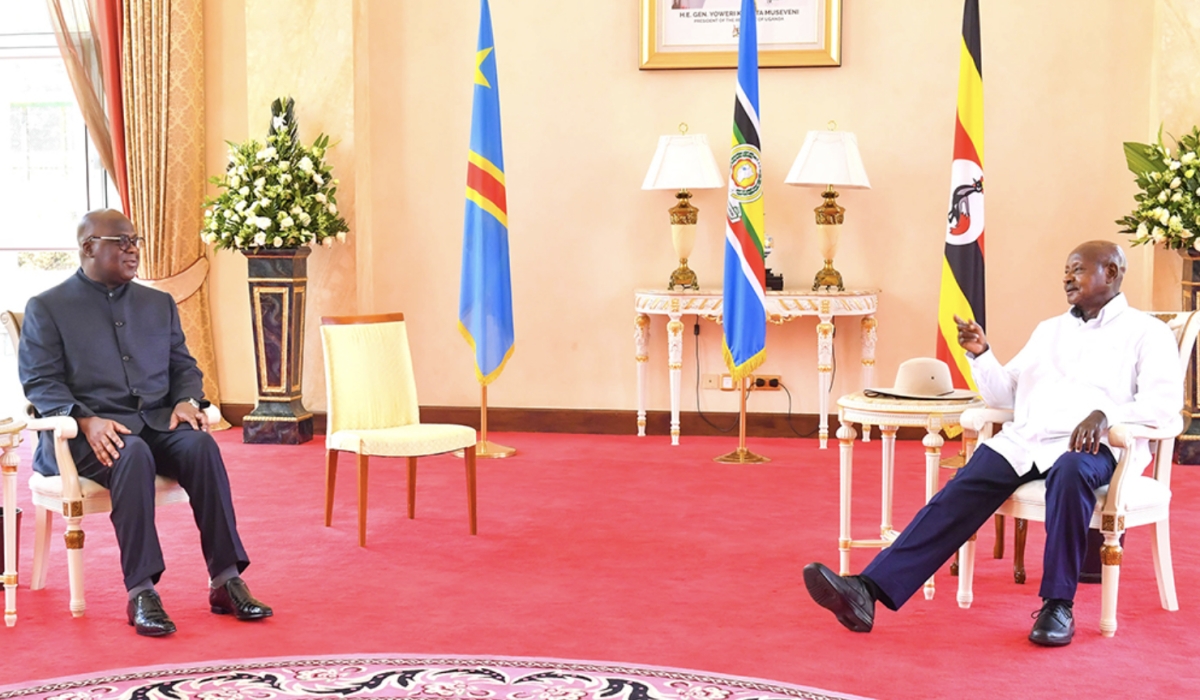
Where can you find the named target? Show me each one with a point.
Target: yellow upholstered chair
(1129, 500)
(70, 494)
(373, 408)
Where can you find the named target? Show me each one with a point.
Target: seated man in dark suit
(111, 354)
(1101, 362)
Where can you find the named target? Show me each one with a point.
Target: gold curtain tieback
(183, 285)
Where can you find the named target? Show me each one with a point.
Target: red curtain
(109, 42)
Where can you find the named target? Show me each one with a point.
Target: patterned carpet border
(412, 677)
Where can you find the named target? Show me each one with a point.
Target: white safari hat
(922, 378)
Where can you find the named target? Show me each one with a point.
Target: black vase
(278, 280)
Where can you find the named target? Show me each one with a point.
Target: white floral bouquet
(1168, 207)
(275, 195)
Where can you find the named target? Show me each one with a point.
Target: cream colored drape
(162, 63)
(75, 30)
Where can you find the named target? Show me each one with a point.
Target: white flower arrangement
(275, 195)
(1168, 207)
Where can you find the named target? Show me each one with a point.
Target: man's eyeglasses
(123, 242)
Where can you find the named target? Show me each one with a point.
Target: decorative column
(278, 282)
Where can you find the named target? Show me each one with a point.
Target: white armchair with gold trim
(1131, 498)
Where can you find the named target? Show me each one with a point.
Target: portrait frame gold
(655, 56)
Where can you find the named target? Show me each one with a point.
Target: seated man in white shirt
(1100, 363)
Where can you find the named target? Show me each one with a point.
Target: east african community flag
(745, 321)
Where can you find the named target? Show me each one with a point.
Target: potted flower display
(275, 200)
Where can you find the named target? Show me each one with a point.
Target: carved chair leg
(412, 487)
(74, 540)
(998, 548)
(469, 455)
(1021, 525)
(362, 500)
(43, 526)
(331, 457)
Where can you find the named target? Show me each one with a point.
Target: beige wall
(1065, 83)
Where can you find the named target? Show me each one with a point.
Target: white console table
(781, 307)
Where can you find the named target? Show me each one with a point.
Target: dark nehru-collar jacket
(87, 350)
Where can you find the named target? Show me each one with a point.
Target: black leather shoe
(234, 598)
(846, 597)
(1055, 625)
(147, 616)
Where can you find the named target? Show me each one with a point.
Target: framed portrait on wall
(704, 33)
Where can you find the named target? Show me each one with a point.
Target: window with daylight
(49, 172)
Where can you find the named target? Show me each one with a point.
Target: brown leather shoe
(847, 597)
(147, 616)
(234, 598)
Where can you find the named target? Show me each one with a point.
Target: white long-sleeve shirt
(1124, 362)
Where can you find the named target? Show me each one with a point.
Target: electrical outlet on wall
(765, 382)
(710, 381)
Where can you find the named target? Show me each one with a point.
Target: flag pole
(741, 455)
(485, 449)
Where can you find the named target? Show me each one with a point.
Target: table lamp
(683, 162)
(829, 159)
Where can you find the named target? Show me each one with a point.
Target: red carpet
(613, 549)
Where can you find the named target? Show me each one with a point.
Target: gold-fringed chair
(1130, 499)
(69, 494)
(373, 409)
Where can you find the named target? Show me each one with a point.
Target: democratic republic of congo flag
(745, 312)
(962, 267)
(485, 300)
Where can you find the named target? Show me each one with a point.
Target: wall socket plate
(710, 381)
(765, 382)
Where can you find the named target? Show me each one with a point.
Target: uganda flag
(485, 300)
(962, 267)
(745, 313)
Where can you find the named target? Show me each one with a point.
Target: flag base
(741, 456)
(486, 449)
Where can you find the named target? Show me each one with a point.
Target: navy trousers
(969, 500)
(193, 459)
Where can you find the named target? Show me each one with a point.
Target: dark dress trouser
(194, 460)
(967, 502)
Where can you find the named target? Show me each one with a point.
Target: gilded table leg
(675, 365)
(869, 325)
(824, 372)
(641, 342)
(845, 435)
(933, 457)
(8, 465)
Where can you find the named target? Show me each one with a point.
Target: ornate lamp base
(683, 277)
(828, 277)
(741, 456)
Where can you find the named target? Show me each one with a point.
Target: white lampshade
(829, 158)
(683, 161)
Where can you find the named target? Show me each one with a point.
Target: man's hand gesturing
(185, 412)
(104, 436)
(1086, 436)
(971, 337)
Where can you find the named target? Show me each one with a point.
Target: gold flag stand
(485, 449)
(741, 455)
